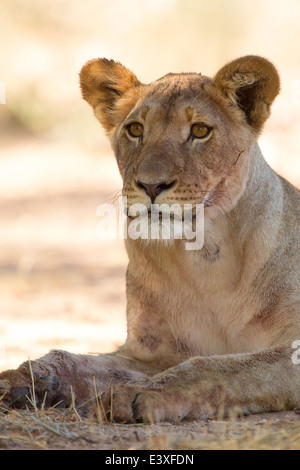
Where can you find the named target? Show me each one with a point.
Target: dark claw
(18, 396)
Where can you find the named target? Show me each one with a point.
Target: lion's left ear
(251, 83)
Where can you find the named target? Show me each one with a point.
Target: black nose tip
(154, 189)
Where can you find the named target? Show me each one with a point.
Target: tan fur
(207, 329)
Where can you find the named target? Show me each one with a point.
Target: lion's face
(186, 138)
(179, 146)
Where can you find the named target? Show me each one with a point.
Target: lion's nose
(154, 189)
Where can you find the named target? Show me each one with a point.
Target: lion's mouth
(152, 214)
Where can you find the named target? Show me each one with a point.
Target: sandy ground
(278, 431)
(62, 287)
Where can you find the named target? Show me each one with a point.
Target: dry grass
(55, 429)
(43, 429)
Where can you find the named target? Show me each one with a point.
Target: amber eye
(135, 129)
(200, 130)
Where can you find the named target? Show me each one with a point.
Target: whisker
(113, 197)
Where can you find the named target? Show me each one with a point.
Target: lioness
(207, 328)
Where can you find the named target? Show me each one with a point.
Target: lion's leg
(59, 376)
(201, 386)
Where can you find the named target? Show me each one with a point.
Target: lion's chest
(200, 306)
(208, 316)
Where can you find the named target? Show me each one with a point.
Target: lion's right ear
(103, 83)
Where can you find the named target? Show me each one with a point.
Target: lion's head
(184, 138)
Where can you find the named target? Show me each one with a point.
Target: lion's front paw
(134, 404)
(29, 385)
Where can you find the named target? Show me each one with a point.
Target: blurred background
(61, 287)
